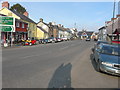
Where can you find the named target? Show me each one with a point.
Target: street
(56, 65)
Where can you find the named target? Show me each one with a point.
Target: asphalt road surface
(61, 65)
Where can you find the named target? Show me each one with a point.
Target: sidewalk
(13, 46)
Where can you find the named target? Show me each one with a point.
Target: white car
(64, 38)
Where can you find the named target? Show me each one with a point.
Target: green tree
(17, 7)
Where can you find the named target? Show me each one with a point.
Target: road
(60, 65)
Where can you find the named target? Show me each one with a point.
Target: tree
(17, 7)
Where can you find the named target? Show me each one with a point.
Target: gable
(84, 34)
(7, 12)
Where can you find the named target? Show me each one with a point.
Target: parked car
(88, 39)
(99, 42)
(64, 39)
(58, 39)
(107, 58)
(51, 40)
(29, 42)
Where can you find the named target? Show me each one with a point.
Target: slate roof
(42, 29)
(23, 17)
(89, 33)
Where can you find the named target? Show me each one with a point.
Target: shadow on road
(93, 62)
(61, 77)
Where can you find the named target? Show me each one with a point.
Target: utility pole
(113, 19)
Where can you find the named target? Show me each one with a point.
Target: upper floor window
(9, 14)
(23, 26)
(17, 24)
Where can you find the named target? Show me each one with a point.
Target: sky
(82, 15)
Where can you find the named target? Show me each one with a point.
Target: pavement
(60, 65)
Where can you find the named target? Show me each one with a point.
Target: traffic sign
(6, 28)
(6, 20)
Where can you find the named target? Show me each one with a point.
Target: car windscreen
(111, 50)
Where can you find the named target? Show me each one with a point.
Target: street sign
(6, 28)
(6, 20)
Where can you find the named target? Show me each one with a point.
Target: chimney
(26, 14)
(50, 23)
(113, 19)
(59, 25)
(5, 4)
(41, 20)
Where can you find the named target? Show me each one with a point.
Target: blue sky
(86, 15)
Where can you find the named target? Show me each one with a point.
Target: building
(86, 34)
(41, 33)
(32, 28)
(102, 33)
(20, 31)
(44, 27)
(113, 28)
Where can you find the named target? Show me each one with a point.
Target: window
(23, 26)
(17, 24)
(9, 14)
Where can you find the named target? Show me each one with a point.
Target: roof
(42, 29)
(23, 17)
(89, 33)
(43, 23)
(20, 21)
(102, 28)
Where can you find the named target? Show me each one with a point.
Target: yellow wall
(40, 34)
(31, 26)
(7, 12)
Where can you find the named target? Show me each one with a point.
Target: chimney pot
(5, 4)
(26, 14)
(41, 20)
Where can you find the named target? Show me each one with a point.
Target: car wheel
(30, 44)
(98, 67)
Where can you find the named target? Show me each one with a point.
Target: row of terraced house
(27, 28)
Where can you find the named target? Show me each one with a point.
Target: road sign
(6, 20)
(6, 28)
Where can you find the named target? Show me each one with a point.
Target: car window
(111, 50)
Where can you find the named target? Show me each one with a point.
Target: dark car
(107, 58)
(43, 41)
(88, 39)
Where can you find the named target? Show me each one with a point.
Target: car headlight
(107, 64)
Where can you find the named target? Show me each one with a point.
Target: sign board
(6, 28)
(6, 20)
(7, 24)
